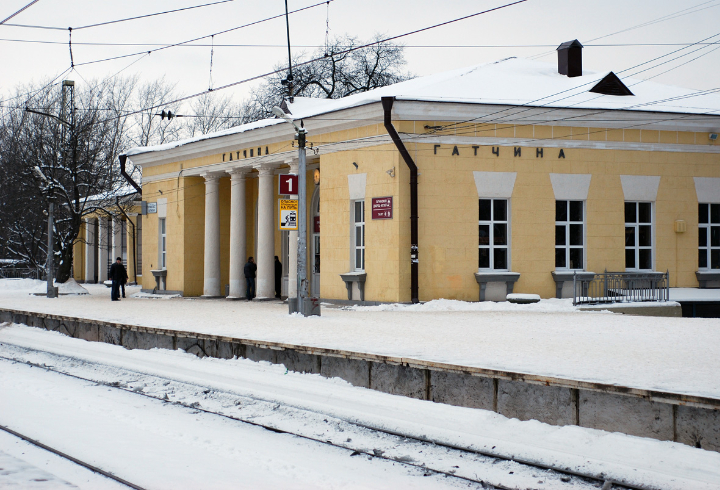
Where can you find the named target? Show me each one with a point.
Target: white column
(103, 241)
(117, 226)
(211, 285)
(293, 246)
(238, 238)
(89, 250)
(266, 234)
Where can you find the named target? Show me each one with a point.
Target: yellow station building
(526, 173)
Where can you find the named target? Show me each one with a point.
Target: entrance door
(315, 244)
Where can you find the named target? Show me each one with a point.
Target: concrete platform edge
(692, 420)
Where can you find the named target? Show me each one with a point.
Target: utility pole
(302, 223)
(304, 306)
(66, 132)
(49, 262)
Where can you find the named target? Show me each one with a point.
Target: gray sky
(533, 22)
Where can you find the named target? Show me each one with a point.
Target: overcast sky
(534, 22)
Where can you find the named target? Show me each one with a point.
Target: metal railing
(23, 273)
(621, 287)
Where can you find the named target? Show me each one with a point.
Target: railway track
(366, 441)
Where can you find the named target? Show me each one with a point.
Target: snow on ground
(186, 446)
(545, 305)
(68, 287)
(141, 295)
(665, 354)
(161, 445)
(24, 466)
(38, 287)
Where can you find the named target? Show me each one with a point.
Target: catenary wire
(410, 46)
(19, 11)
(54, 28)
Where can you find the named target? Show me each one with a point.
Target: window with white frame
(708, 236)
(163, 243)
(359, 236)
(569, 235)
(638, 235)
(494, 233)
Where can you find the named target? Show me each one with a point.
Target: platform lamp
(303, 305)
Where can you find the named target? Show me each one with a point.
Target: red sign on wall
(287, 184)
(382, 207)
(316, 224)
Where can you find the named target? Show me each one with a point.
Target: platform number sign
(288, 184)
(288, 219)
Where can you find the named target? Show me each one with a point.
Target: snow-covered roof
(120, 192)
(511, 81)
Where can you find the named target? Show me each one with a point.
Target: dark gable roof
(611, 85)
(570, 44)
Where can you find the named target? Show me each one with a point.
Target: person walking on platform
(278, 277)
(118, 274)
(250, 269)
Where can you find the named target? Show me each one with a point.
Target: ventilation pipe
(387, 103)
(570, 58)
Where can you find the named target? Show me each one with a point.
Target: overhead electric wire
(529, 107)
(110, 21)
(429, 46)
(19, 11)
(204, 37)
(355, 48)
(670, 16)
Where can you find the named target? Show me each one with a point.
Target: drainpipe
(387, 103)
(122, 159)
(117, 203)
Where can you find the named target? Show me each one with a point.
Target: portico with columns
(228, 212)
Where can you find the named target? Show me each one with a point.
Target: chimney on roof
(570, 58)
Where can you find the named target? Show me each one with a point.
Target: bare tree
(148, 129)
(211, 113)
(337, 73)
(78, 157)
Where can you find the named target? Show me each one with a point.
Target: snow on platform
(549, 338)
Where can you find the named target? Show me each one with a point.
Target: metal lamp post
(302, 283)
(50, 262)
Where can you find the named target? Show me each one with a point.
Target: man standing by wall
(250, 269)
(117, 276)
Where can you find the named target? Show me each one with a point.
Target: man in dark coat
(118, 274)
(250, 269)
(278, 277)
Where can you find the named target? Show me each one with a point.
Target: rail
(621, 287)
(24, 273)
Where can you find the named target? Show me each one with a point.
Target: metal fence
(621, 287)
(24, 273)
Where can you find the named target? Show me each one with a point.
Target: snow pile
(142, 295)
(20, 284)
(523, 298)
(552, 305)
(68, 287)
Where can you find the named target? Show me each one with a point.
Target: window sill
(568, 275)
(711, 276)
(358, 277)
(483, 278)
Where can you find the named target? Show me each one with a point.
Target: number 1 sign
(288, 184)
